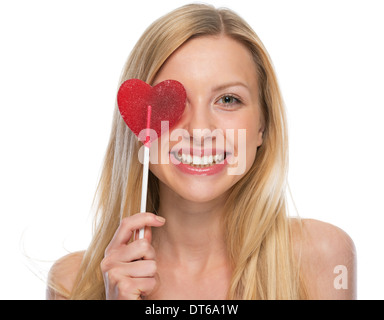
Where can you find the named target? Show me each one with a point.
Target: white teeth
(196, 160)
(199, 161)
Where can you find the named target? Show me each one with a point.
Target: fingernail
(161, 219)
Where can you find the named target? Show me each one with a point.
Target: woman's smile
(199, 161)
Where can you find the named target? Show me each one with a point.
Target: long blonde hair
(258, 232)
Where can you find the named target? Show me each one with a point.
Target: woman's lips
(201, 163)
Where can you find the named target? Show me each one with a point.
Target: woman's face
(215, 142)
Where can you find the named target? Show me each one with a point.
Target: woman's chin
(201, 198)
(197, 192)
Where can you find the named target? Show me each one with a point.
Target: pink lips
(200, 171)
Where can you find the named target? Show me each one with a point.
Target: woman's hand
(129, 268)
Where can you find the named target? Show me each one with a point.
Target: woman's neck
(193, 235)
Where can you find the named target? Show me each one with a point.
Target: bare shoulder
(328, 259)
(62, 275)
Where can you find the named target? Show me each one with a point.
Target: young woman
(210, 233)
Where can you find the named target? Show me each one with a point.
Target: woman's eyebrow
(229, 85)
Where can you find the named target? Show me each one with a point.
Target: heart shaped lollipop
(166, 99)
(143, 106)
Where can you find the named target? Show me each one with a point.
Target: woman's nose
(198, 121)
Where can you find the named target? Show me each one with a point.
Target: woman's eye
(228, 100)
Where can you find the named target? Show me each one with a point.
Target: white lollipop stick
(144, 184)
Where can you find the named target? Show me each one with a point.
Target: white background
(60, 62)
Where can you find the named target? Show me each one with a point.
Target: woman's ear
(260, 135)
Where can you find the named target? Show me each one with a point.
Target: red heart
(167, 100)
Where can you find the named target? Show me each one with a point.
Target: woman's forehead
(210, 58)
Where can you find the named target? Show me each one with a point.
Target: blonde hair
(258, 231)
